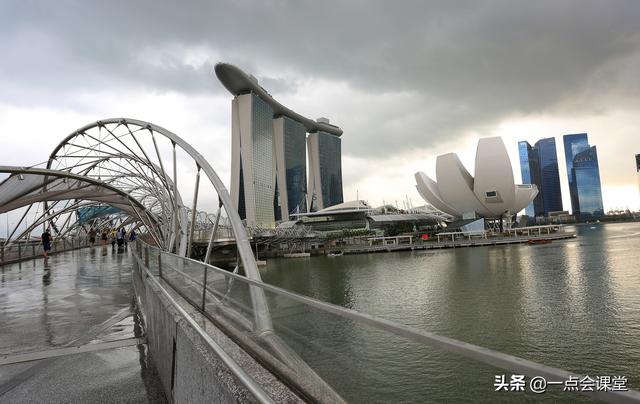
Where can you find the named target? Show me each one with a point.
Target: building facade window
(584, 176)
(330, 161)
(295, 157)
(262, 162)
(549, 181)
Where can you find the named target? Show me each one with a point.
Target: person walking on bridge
(92, 236)
(112, 237)
(120, 237)
(46, 243)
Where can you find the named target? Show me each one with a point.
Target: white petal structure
(492, 193)
(428, 189)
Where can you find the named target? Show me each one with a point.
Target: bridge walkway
(70, 331)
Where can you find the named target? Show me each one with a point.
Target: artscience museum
(491, 193)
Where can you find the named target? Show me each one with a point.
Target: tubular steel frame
(125, 155)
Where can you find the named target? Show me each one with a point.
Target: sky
(405, 80)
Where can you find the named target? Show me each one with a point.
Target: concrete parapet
(189, 369)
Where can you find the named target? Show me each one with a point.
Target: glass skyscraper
(638, 168)
(528, 164)
(539, 166)
(325, 171)
(291, 162)
(549, 175)
(583, 172)
(573, 144)
(253, 164)
(268, 159)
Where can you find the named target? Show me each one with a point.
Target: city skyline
(420, 81)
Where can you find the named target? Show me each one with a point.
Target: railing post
(19, 250)
(146, 257)
(2, 253)
(33, 250)
(160, 263)
(204, 286)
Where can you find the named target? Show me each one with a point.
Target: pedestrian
(124, 237)
(92, 236)
(103, 237)
(46, 243)
(113, 238)
(132, 235)
(120, 237)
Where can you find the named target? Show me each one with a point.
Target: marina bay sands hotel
(268, 155)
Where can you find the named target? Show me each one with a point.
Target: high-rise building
(268, 160)
(549, 175)
(583, 172)
(573, 144)
(325, 170)
(638, 168)
(539, 166)
(252, 160)
(291, 167)
(586, 175)
(530, 170)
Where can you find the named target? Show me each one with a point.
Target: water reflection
(67, 295)
(573, 304)
(46, 277)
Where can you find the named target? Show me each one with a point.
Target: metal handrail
(471, 351)
(271, 351)
(32, 249)
(247, 381)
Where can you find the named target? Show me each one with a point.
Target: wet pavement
(81, 299)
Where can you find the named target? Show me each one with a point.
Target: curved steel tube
(263, 318)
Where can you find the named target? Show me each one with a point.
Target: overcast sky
(406, 80)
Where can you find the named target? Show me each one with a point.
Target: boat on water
(538, 241)
(336, 253)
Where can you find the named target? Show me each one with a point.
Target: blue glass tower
(539, 166)
(528, 168)
(325, 171)
(549, 175)
(573, 144)
(584, 176)
(290, 139)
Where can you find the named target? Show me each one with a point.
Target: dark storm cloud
(466, 63)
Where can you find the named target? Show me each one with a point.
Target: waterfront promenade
(71, 331)
(406, 243)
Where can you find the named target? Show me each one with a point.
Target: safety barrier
(32, 249)
(302, 343)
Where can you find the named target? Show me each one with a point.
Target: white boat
(335, 254)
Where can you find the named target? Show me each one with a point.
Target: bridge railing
(19, 251)
(316, 333)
